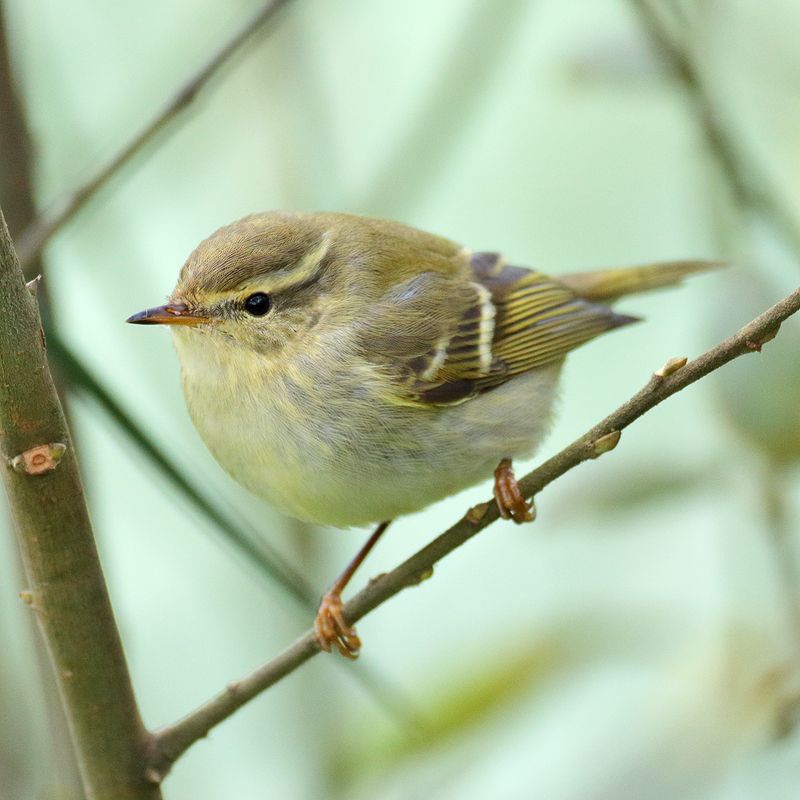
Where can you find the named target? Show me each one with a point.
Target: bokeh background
(641, 639)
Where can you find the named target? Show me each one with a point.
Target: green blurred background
(639, 640)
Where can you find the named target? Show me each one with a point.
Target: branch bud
(756, 345)
(423, 576)
(33, 286)
(604, 444)
(672, 366)
(477, 513)
(40, 459)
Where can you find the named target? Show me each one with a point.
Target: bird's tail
(609, 284)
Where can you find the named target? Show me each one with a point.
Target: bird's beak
(170, 314)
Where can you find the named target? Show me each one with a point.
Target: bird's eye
(257, 304)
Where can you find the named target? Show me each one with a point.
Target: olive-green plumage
(392, 368)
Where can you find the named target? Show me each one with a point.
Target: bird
(351, 370)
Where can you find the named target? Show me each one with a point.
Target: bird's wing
(442, 339)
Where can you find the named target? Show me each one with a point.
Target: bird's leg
(330, 625)
(510, 502)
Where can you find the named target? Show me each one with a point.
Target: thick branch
(41, 230)
(16, 199)
(173, 740)
(67, 591)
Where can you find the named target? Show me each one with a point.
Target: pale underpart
(347, 455)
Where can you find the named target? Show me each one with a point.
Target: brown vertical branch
(16, 197)
(67, 592)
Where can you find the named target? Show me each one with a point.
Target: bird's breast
(317, 439)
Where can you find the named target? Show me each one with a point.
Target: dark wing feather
(442, 339)
(538, 319)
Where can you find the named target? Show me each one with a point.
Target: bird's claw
(510, 502)
(332, 628)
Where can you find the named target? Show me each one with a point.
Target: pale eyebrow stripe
(304, 271)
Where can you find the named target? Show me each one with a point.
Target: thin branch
(676, 374)
(40, 232)
(67, 592)
(748, 190)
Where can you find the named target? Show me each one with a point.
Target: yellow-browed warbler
(351, 370)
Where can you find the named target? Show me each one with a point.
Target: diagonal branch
(675, 375)
(33, 240)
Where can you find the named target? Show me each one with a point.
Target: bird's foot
(332, 628)
(510, 502)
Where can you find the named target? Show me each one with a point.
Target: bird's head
(259, 283)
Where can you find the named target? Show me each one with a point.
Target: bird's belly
(354, 463)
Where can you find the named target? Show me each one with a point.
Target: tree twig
(749, 190)
(33, 240)
(67, 592)
(675, 375)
